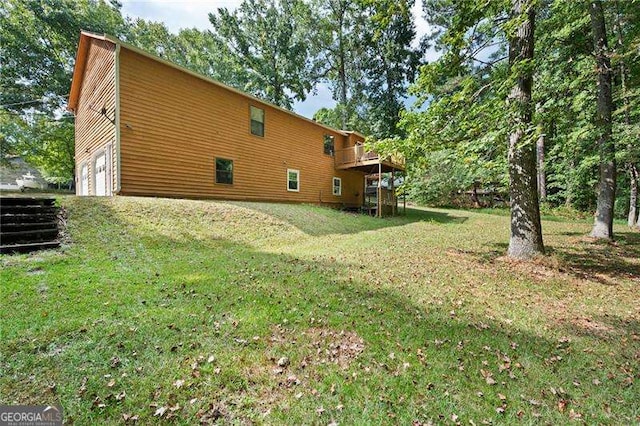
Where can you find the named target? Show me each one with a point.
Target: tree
(338, 51)
(526, 229)
(627, 64)
(460, 100)
(389, 62)
(38, 42)
(267, 41)
(603, 224)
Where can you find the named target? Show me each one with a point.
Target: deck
(356, 157)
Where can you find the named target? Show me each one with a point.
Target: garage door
(100, 174)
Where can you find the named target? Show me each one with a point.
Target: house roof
(81, 59)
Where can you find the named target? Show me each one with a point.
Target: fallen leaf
(283, 362)
(562, 404)
(115, 362)
(178, 383)
(160, 411)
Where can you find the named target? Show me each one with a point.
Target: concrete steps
(28, 224)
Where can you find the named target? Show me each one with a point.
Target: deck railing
(358, 155)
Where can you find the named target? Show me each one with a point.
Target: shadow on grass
(600, 260)
(317, 221)
(185, 298)
(604, 327)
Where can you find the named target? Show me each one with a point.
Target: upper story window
(293, 180)
(257, 121)
(329, 145)
(224, 171)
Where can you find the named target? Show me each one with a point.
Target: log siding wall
(94, 131)
(173, 125)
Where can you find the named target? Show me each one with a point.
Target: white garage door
(84, 179)
(100, 174)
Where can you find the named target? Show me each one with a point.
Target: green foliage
(266, 41)
(39, 39)
(460, 111)
(38, 44)
(389, 63)
(460, 96)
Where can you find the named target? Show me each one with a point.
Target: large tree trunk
(603, 225)
(526, 230)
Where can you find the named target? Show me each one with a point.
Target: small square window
(293, 180)
(257, 121)
(337, 186)
(329, 147)
(224, 171)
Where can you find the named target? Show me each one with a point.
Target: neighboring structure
(14, 169)
(145, 126)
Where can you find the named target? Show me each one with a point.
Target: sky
(195, 13)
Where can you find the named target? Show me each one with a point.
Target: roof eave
(79, 67)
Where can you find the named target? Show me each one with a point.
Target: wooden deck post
(393, 196)
(365, 202)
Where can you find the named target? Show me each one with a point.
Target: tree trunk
(633, 168)
(542, 178)
(526, 230)
(603, 224)
(342, 72)
(474, 196)
(633, 218)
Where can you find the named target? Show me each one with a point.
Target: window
(224, 171)
(329, 148)
(293, 180)
(257, 121)
(337, 186)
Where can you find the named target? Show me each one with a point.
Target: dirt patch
(337, 347)
(320, 345)
(589, 326)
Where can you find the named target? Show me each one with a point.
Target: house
(148, 127)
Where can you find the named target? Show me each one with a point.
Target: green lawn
(194, 311)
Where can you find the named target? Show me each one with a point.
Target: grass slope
(194, 311)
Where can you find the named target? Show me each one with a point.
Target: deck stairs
(28, 224)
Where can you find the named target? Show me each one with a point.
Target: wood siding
(93, 131)
(173, 125)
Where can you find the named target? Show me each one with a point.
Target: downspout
(118, 156)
